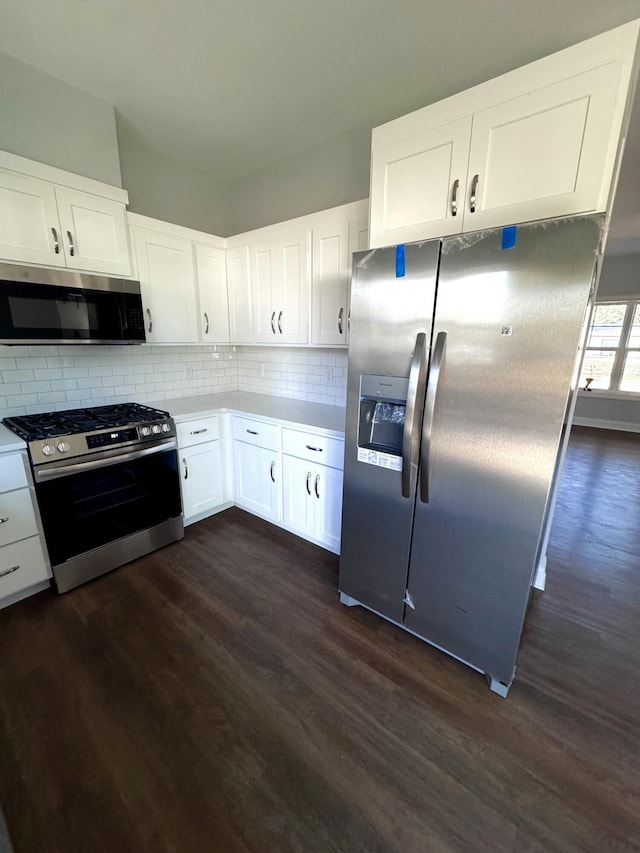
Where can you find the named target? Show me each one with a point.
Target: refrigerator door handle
(413, 413)
(429, 409)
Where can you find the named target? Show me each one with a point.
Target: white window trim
(614, 391)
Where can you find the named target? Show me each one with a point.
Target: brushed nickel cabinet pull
(273, 465)
(454, 197)
(150, 329)
(340, 316)
(474, 190)
(186, 469)
(280, 322)
(9, 571)
(206, 320)
(3, 520)
(56, 242)
(273, 322)
(72, 248)
(308, 481)
(317, 491)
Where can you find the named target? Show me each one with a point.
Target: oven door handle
(67, 470)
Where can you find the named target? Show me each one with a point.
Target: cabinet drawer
(256, 432)
(12, 472)
(198, 431)
(17, 520)
(315, 448)
(24, 565)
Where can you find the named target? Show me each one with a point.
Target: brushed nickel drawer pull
(3, 520)
(253, 432)
(9, 571)
(310, 447)
(198, 431)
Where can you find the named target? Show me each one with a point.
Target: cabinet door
(165, 267)
(29, 226)
(293, 288)
(239, 290)
(358, 242)
(330, 284)
(327, 491)
(298, 500)
(256, 479)
(543, 154)
(418, 185)
(202, 478)
(94, 231)
(263, 284)
(211, 273)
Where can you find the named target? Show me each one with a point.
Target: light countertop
(9, 440)
(329, 419)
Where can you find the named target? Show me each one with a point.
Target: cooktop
(75, 421)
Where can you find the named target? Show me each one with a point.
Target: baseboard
(202, 515)
(597, 423)
(25, 593)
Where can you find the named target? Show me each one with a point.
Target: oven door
(87, 504)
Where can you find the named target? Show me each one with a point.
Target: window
(612, 352)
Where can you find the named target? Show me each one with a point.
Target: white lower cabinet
(204, 477)
(312, 491)
(256, 467)
(23, 565)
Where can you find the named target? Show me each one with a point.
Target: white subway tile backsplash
(46, 378)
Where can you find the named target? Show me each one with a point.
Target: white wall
(47, 120)
(50, 378)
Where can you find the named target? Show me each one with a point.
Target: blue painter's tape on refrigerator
(509, 236)
(400, 269)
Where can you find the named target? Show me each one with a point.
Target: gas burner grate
(75, 421)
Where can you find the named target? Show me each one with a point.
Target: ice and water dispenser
(383, 402)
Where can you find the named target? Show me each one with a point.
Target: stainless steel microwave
(51, 306)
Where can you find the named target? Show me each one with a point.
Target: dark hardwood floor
(215, 696)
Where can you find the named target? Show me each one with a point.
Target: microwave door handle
(113, 458)
(439, 351)
(413, 412)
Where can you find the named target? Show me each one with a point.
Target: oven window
(83, 511)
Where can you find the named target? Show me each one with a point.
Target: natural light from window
(612, 352)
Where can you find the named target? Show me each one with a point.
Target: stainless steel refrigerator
(463, 356)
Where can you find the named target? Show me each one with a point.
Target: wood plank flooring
(215, 696)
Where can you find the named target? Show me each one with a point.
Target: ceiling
(231, 86)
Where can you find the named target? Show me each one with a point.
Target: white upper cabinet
(211, 274)
(330, 284)
(542, 155)
(167, 280)
(280, 286)
(418, 185)
(239, 292)
(94, 232)
(539, 142)
(29, 226)
(45, 222)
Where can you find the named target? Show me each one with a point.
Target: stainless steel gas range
(107, 485)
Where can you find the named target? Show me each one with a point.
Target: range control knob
(145, 430)
(63, 446)
(155, 429)
(48, 449)
(166, 427)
